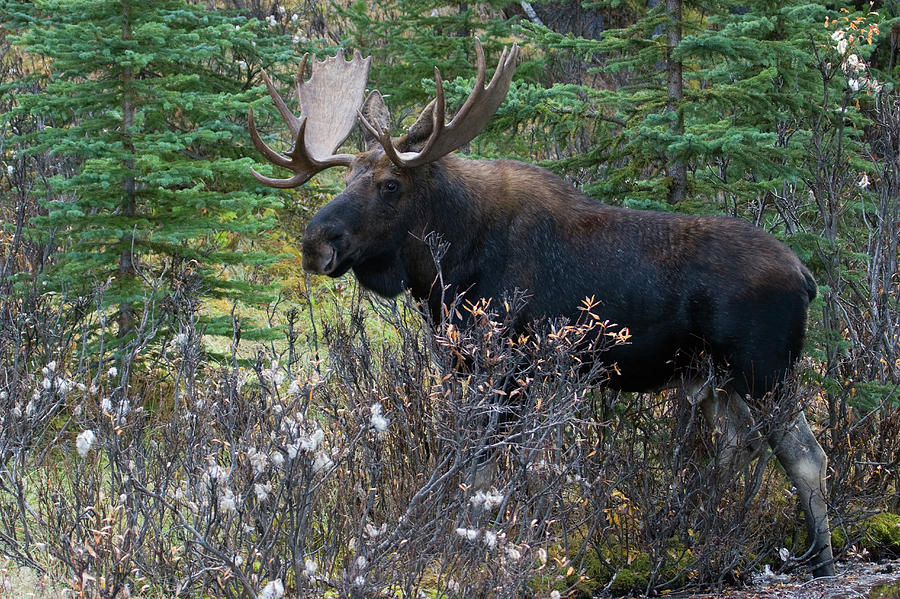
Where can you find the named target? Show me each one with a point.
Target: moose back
(680, 284)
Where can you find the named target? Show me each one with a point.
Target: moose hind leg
(805, 462)
(729, 417)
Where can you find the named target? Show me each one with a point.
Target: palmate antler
(329, 103)
(469, 121)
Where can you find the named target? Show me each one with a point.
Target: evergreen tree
(150, 99)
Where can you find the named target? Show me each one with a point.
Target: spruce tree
(150, 101)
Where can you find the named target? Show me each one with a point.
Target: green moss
(881, 535)
(838, 538)
(633, 577)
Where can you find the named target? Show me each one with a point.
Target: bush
(369, 452)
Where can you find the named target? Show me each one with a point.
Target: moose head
(366, 226)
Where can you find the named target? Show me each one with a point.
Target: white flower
(842, 46)
(784, 554)
(487, 501)
(216, 472)
(309, 568)
(838, 35)
(262, 492)
(359, 581)
(361, 562)
(554, 594)
(864, 181)
(292, 450)
(854, 62)
(378, 422)
(322, 462)
(258, 460)
(237, 559)
(273, 374)
(228, 502)
(273, 590)
(373, 531)
(51, 366)
(10, 169)
(242, 64)
(4, 395)
(281, 10)
(490, 539)
(46, 384)
(277, 459)
(294, 18)
(312, 442)
(84, 441)
(113, 371)
(469, 534)
(64, 385)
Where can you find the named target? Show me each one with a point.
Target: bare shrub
(363, 458)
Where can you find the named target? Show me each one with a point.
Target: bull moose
(680, 284)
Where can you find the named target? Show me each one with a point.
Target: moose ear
(375, 111)
(420, 131)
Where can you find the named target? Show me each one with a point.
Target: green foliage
(878, 534)
(623, 572)
(148, 102)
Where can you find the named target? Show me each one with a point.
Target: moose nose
(321, 248)
(319, 258)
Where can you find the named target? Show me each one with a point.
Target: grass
(19, 582)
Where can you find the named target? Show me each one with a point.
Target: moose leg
(729, 417)
(805, 462)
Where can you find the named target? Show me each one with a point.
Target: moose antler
(329, 103)
(474, 115)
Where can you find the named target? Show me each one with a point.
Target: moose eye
(389, 189)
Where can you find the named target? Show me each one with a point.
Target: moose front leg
(806, 465)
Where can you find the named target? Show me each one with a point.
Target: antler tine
(263, 147)
(297, 161)
(471, 118)
(289, 117)
(382, 136)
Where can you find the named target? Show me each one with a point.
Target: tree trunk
(125, 316)
(675, 169)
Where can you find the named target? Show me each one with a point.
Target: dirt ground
(853, 579)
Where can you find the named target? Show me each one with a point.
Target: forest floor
(853, 579)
